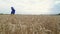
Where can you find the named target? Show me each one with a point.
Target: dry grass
(29, 24)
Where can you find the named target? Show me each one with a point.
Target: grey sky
(30, 6)
(56, 8)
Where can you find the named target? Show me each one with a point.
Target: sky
(30, 6)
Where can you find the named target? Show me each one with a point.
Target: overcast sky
(30, 6)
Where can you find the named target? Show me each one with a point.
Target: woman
(13, 10)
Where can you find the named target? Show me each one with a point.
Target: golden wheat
(29, 24)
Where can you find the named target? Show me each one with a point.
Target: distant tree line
(59, 14)
(1, 13)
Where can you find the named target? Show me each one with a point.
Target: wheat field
(29, 24)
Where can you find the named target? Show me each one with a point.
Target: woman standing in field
(13, 10)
